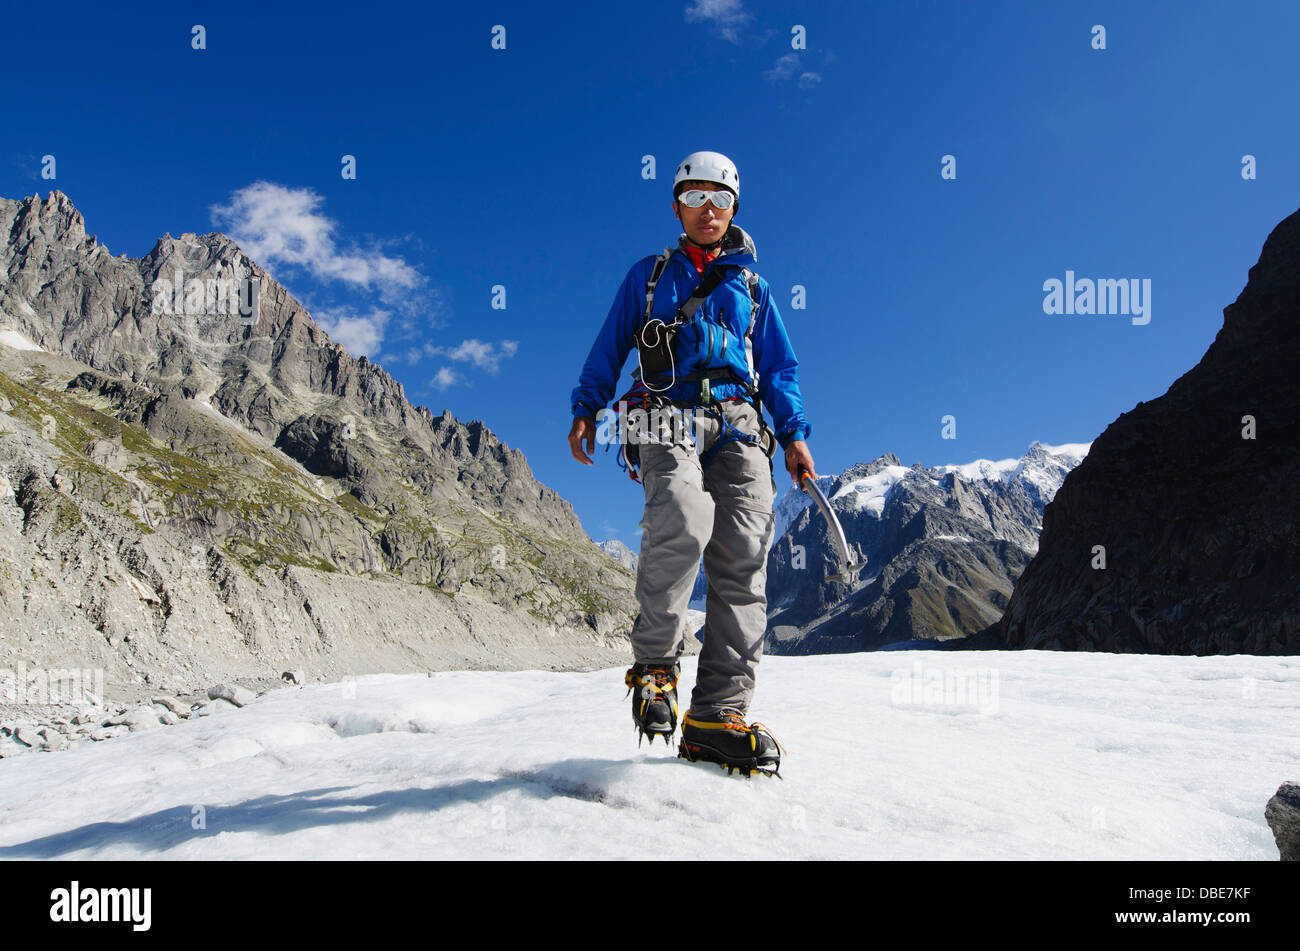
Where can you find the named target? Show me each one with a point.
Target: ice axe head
(848, 569)
(847, 575)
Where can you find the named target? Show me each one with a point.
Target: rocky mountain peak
(943, 546)
(861, 470)
(208, 443)
(50, 227)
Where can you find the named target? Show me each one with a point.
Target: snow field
(910, 754)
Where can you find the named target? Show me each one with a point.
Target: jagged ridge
(265, 446)
(943, 547)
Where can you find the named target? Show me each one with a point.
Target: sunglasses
(695, 197)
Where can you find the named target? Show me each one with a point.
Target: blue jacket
(714, 338)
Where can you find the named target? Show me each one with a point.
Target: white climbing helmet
(708, 167)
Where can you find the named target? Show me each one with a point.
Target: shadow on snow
(584, 779)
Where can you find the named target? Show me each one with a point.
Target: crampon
(731, 744)
(654, 708)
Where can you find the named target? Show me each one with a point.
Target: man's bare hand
(584, 427)
(795, 454)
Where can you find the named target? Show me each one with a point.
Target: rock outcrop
(1283, 816)
(192, 493)
(1180, 532)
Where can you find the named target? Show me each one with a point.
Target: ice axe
(848, 569)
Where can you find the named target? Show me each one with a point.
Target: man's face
(705, 224)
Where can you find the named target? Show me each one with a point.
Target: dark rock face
(1283, 816)
(1199, 523)
(320, 445)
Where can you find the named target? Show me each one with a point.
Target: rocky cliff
(194, 492)
(1180, 532)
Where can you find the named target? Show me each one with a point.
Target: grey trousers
(723, 511)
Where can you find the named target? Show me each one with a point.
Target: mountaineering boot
(654, 701)
(725, 739)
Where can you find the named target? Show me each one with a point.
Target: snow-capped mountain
(943, 547)
(1041, 470)
(987, 512)
(620, 553)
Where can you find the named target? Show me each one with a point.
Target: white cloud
(482, 354)
(783, 69)
(485, 356)
(276, 225)
(279, 225)
(727, 15)
(359, 335)
(445, 378)
(787, 66)
(413, 355)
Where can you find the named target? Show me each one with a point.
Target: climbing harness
(655, 356)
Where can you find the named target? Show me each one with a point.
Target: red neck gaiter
(699, 257)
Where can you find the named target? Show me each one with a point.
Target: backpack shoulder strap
(751, 281)
(655, 273)
(767, 436)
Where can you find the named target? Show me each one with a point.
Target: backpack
(654, 339)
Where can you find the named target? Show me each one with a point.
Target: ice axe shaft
(848, 569)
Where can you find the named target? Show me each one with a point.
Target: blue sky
(522, 167)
